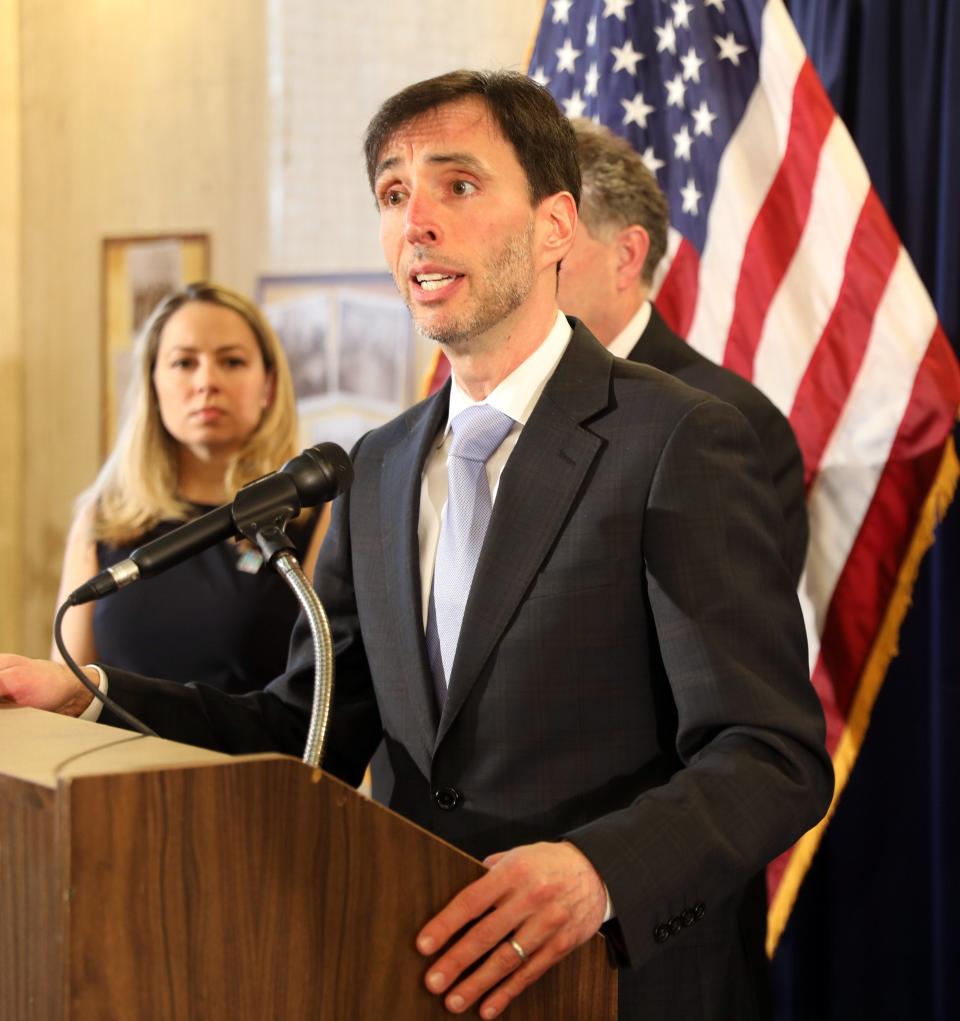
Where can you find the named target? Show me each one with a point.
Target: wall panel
(11, 357)
(137, 118)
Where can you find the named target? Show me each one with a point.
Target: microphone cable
(94, 690)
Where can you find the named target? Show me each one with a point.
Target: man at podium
(555, 594)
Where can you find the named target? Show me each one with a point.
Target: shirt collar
(519, 392)
(626, 340)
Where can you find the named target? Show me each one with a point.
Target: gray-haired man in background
(605, 281)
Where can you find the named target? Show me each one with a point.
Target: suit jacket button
(688, 918)
(676, 924)
(698, 911)
(447, 798)
(662, 933)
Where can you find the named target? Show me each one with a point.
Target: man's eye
(392, 198)
(463, 188)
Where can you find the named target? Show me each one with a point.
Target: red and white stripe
(804, 288)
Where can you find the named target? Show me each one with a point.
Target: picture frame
(352, 348)
(137, 273)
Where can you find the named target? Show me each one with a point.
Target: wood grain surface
(262, 890)
(33, 911)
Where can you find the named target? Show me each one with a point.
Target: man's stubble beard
(508, 281)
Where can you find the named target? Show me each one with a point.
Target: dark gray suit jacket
(660, 347)
(631, 675)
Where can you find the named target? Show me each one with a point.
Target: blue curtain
(875, 934)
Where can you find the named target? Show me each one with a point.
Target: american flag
(783, 266)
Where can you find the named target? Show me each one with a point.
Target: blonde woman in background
(211, 408)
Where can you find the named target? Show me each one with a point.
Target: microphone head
(320, 473)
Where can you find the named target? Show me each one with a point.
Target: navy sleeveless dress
(209, 619)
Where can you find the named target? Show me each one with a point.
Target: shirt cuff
(609, 913)
(93, 711)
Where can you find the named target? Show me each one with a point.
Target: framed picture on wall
(352, 350)
(138, 273)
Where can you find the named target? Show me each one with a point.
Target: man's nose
(421, 223)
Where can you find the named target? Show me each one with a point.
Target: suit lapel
(542, 479)
(399, 525)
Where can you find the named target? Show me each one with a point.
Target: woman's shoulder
(83, 526)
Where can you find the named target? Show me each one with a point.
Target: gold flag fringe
(426, 383)
(531, 46)
(885, 647)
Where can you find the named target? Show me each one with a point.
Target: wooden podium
(145, 879)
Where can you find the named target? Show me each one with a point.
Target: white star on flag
(681, 13)
(626, 58)
(729, 48)
(637, 110)
(691, 197)
(561, 11)
(616, 9)
(719, 4)
(567, 57)
(592, 31)
(540, 76)
(649, 158)
(683, 143)
(574, 106)
(591, 80)
(675, 91)
(668, 38)
(691, 66)
(703, 120)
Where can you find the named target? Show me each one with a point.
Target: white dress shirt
(626, 340)
(515, 396)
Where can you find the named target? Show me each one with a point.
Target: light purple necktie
(477, 432)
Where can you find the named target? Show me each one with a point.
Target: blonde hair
(137, 485)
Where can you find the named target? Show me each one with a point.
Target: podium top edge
(43, 748)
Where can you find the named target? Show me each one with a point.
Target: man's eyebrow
(462, 159)
(388, 164)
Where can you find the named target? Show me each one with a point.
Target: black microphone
(315, 476)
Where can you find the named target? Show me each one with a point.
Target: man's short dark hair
(619, 191)
(527, 115)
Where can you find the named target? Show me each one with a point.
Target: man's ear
(631, 244)
(557, 220)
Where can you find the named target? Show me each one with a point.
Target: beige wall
(137, 118)
(11, 362)
(239, 118)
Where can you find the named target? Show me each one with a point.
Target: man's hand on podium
(535, 905)
(41, 684)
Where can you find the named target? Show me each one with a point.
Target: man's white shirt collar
(626, 340)
(519, 392)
